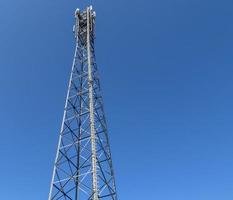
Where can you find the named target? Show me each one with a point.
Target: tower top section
(90, 8)
(81, 21)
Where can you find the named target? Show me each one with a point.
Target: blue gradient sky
(167, 78)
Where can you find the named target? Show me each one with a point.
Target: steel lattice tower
(83, 166)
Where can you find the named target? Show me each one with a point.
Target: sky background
(166, 71)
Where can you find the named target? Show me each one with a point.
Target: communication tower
(83, 165)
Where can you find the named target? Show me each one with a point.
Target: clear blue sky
(167, 78)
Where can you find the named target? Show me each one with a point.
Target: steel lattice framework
(83, 166)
